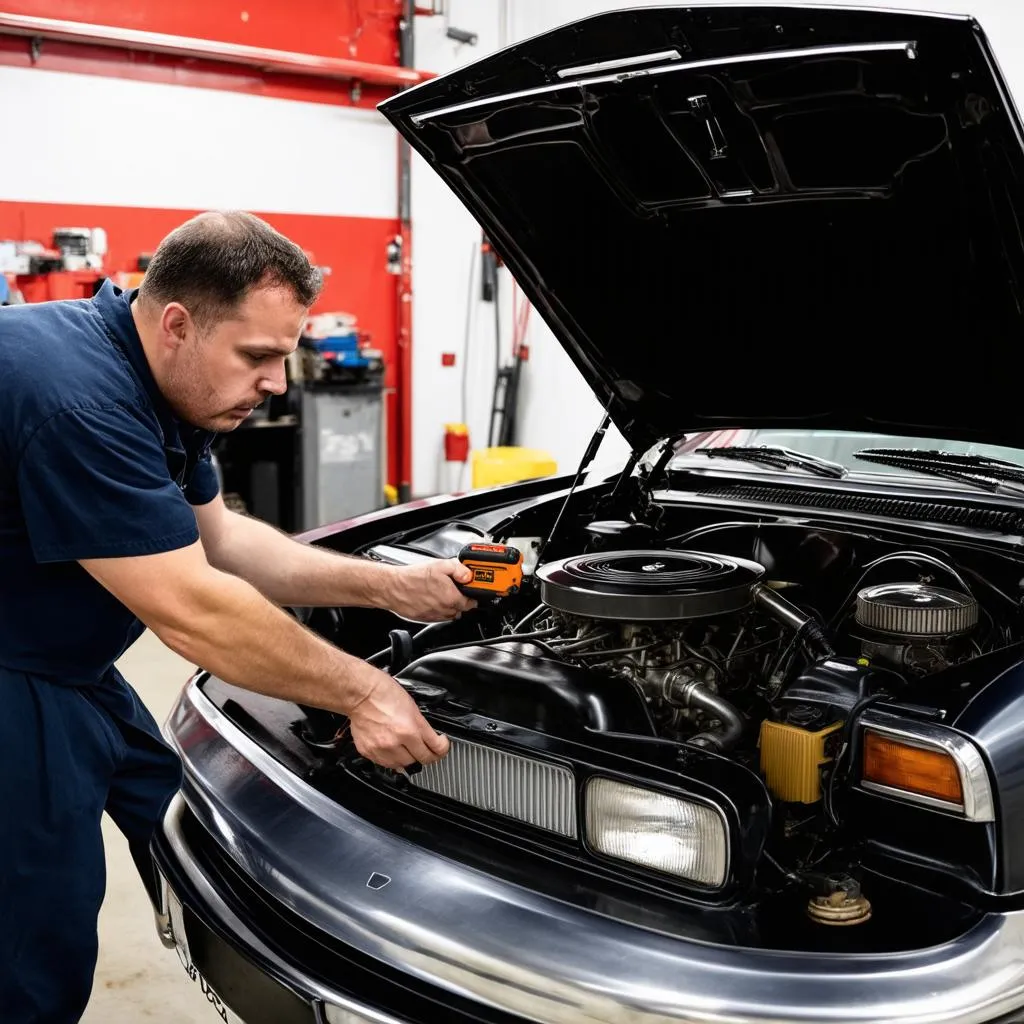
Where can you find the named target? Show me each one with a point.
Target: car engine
(757, 646)
(703, 636)
(692, 631)
(726, 659)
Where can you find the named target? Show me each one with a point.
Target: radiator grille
(894, 508)
(534, 792)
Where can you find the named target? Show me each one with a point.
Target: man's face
(214, 379)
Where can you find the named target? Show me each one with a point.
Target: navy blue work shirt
(93, 464)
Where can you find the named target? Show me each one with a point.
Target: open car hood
(754, 216)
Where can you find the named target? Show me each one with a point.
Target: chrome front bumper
(504, 946)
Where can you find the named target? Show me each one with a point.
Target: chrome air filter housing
(912, 610)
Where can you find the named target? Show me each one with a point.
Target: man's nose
(275, 383)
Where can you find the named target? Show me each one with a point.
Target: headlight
(670, 834)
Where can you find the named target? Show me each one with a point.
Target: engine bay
(714, 630)
(728, 658)
(709, 640)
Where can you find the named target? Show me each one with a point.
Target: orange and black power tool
(497, 571)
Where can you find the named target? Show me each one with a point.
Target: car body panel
(503, 945)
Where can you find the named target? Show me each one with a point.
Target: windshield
(839, 446)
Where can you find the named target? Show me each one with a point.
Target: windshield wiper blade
(780, 458)
(990, 474)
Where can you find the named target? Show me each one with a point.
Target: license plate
(217, 1005)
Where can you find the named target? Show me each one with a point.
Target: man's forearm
(235, 633)
(290, 573)
(217, 620)
(221, 622)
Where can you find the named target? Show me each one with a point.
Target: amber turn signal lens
(930, 773)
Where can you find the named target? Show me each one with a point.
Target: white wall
(445, 238)
(557, 410)
(190, 149)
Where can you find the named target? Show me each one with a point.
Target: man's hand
(388, 728)
(427, 592)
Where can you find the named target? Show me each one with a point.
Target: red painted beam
(208, 49)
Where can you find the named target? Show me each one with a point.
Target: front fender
(994, 719)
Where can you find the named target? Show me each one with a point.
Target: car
(747, 744)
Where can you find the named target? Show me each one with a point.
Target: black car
(748, 743)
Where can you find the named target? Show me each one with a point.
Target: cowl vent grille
(893, 508)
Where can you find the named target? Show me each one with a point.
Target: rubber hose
(321, 726)
(814, 632)
(790, 615)
(418, 641)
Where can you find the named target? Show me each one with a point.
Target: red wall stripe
(353, 248)
(361, 29)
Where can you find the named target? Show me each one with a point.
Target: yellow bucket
(492, 466)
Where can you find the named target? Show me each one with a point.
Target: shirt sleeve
(94, 483)
(204, 485)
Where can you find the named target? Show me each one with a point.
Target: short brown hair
(210, 262)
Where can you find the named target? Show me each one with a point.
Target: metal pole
(406, 44)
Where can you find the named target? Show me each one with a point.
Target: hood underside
(753, 216)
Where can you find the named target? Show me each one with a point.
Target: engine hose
(805, 627)
(813, 631)
(734, 725)
(321, 726)
(381, 658)
(405, 646)
(505, 638)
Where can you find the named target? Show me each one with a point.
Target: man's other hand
(389, 730)
(427, 592)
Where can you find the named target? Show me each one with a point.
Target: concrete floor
(137, 979)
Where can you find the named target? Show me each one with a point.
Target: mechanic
(111, 522)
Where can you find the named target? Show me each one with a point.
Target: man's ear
(176, 325)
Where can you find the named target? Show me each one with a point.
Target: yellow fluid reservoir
(506, 465)
(791, 760)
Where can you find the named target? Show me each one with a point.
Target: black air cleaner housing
(649, 586)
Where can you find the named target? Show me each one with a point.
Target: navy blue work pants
(66, 755)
